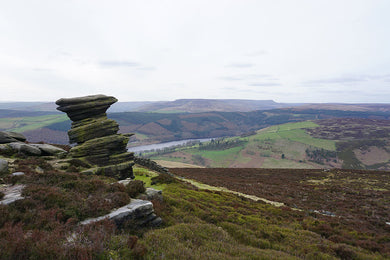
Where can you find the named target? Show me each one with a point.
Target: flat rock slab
(139, 212)
(49, 149)
(25, 148)
(80, 108)
(12, 193)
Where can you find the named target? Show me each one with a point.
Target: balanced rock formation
(97, 138)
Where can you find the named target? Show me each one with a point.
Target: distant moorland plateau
(156, 122)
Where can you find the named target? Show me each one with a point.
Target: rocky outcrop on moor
(96, 136)
(138, 213)
(11, 143)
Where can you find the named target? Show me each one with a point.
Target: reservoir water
(143, 148)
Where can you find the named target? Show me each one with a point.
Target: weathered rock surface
(25, 148)
(92, 128)
(138, 213)
(48, 149)
(120, 171)
(80, 108)
(9, 137)
(152, 165)
(11, 193)
(3, 166)
(97, 138)
(32, 149)
(154, 194)
(151, 194)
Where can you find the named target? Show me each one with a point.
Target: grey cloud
(228, 78)
(113, 63)
(340, 92)
(256, 91)
(349, 79)
(248, 77)
(373, 77)
(265, 84)
(260, 76)
(42, 70)
(256, 53)
(337, 80)
(147, 68)
(240, 65)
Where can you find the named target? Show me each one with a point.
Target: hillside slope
(157, 127)
(198, 223)
(160, 127)
(212, 105)
(340, 143)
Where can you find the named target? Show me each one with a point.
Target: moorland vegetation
(200, 223)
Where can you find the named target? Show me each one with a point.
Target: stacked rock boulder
(96, 136)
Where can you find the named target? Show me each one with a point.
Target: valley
(331, 143)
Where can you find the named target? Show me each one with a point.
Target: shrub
(117, 187)
(4, 215)
(7, 152)
(134, 188)
(30, 164)
(118, 199)
(344, 252)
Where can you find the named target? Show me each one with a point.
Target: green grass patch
(141, 136)
(299, 125)
(146, 175)
(299, 135)
(289, 139)
(220, 158)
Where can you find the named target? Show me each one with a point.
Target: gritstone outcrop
(97, 138)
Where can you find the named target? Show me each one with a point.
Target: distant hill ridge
(203, 105)
(176, 106)
(220, 105)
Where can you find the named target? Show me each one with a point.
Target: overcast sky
(284, 50)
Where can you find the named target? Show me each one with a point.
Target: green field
(22, 124)
(281, 146)
(295, 132)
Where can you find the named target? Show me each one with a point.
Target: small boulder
(18, 174)
(153, 194)
(11, 194)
